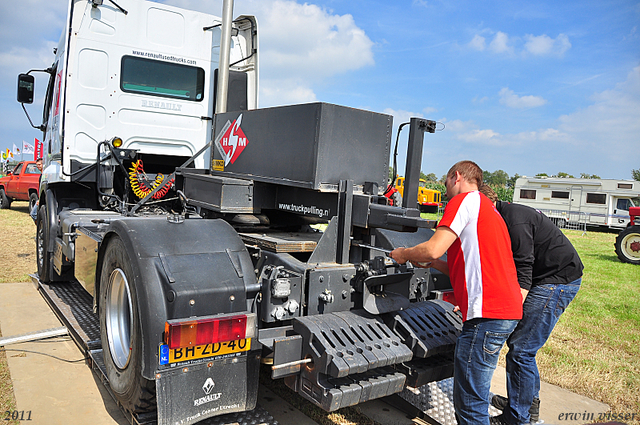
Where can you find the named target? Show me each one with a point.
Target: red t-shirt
(481, 267)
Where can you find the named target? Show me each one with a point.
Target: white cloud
(602, 136)
(422, 3)
(301, 45)
(512, 100)
(478, 43)
(500, 43)
(633, 34)
(400, 116)
(324, 44)
(273, 93)
(610, 125)
(429, 110)
(479, 100)
(485, 137)
(543, 45)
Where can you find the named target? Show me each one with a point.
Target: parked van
(603, 202)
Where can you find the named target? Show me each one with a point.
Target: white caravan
(603, 202)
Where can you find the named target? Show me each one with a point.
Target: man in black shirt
(550, 269)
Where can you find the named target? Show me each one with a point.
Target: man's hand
(524, 293)
(398, 255)
(427, 251)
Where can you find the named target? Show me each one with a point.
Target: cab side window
(623, 204)
(48, 100)
(32, 169)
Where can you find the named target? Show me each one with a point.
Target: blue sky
(526, 87)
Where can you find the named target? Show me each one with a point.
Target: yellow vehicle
(428, 199)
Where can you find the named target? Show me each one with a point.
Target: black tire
(5, 203)
(43, 257)
(628, 245)
(429, 209)
(33, 200)
(120, 331)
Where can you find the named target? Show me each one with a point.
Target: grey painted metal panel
(312, 145)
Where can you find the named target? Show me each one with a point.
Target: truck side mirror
(26, 84)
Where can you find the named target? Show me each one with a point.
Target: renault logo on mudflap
(208, 386)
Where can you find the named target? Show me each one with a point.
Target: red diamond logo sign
(233, 142)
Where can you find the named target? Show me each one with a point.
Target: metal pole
(223, 65)
(417, 127)
(414, 162)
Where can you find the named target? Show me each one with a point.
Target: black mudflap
(207, 389)
(351, 354)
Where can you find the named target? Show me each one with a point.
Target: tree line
(500, 181)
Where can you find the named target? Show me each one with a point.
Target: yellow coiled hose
(139, 185)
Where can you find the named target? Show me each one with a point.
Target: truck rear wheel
(628, 245)
(5, 203)
(120, 331)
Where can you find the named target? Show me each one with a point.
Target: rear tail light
(209, 330)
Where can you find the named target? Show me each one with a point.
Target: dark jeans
(477, 351)
(541, 310)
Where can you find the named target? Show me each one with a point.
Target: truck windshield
(156, 78)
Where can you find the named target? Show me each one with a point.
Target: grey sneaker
(501, 403)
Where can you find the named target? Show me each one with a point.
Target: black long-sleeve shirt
(541, 252)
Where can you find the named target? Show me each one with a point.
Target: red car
(21, 184)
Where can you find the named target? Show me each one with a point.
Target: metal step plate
(74, 307)
(435, 400)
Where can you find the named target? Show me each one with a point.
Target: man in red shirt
(485, 284)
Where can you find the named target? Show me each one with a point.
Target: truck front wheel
(43, 257)
(5, 203)
(120, 331)
(628, 245)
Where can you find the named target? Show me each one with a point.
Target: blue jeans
(477, 351)
(34, 213)
(541, 310)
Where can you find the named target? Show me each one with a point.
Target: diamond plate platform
(74, 307)
(435, 400)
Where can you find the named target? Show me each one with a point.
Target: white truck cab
(143, 72)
